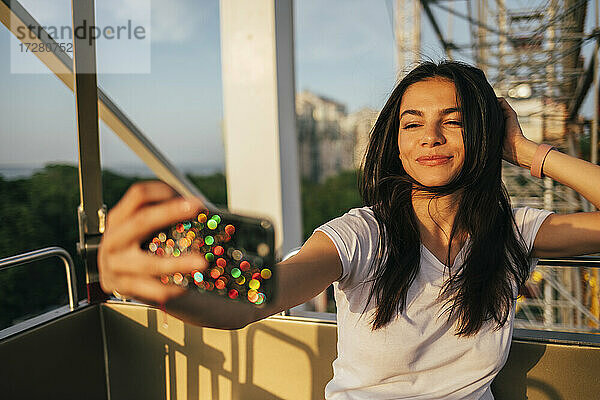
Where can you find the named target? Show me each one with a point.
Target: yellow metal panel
(287, 358)
(139, 316)
(270, 359)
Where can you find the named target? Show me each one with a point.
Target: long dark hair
(483, 289)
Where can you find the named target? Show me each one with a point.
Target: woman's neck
(435, 216)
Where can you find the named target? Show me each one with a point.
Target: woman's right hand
(123, 265)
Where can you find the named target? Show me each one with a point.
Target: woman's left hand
(514, 142)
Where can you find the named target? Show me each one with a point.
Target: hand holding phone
(127, 269)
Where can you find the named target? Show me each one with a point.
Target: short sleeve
(528, 222)
(355, 236)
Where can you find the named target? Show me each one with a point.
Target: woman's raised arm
(560, 235)
(299, 279)
(305, 275)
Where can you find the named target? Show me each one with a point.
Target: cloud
(175, 20)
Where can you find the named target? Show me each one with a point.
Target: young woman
(427, 273)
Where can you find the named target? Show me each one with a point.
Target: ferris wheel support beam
(583, 86)
(447, 45)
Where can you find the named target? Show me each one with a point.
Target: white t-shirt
(417, 355)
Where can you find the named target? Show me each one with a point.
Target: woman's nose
(432, 136)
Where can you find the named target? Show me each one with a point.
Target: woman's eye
(455, 123)
(408, 126)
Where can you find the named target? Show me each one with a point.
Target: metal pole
(594, 138)
(416, 32)
(578, 293)
(595, 303)
(407, 34)
(473, 34)
(449, 31)
(550, 95)
(502, 26)
(481, 35)
(548, 183)
(91, 211)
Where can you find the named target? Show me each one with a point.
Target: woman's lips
(433, 160)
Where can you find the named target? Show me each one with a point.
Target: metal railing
(581, 261)
(566, 298)
(37, 255)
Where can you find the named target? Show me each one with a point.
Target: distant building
(329, 139)
(359, 125)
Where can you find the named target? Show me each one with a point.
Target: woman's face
(430, 137)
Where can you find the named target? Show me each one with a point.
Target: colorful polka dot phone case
(239, 251)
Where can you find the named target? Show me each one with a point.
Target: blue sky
(344, 49)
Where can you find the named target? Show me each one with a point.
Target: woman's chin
(435, 182)
(432, 178)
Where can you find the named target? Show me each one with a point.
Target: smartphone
(239, 251)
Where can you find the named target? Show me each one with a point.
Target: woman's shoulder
(355, 236)
(526, 215)
(365, 212)
(360, 220)
(529, 220)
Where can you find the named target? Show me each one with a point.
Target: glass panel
(534, 55)
(348, 56)
(177, 101)
(189, 129)
(344, 63)
(39, 191)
